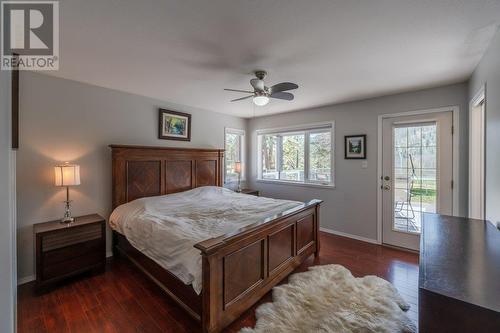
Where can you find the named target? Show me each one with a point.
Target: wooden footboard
(239, 269)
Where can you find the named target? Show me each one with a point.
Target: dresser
(64, 250)
(459, 278)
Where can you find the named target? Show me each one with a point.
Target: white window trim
(293, 183)
(229, 130)
(307, 129)
(478, 99)
(297, 128)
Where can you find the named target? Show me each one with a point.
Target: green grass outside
(427, 191)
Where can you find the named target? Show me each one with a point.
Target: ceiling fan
(261, 93)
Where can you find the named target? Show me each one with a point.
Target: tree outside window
(300, 156)
(233, 153)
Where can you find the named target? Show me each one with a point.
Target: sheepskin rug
(329, 299)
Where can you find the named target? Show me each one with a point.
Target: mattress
(165, 228)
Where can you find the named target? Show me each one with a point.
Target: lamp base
(67, 220)
(67, 210)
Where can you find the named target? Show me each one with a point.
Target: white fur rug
(329, 299)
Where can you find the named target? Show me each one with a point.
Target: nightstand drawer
(72, 265)
(67, 237)
(63, 254)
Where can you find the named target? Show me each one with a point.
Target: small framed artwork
(355, 147)
(175, 125)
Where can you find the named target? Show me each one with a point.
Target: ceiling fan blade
(238, 90)
(257, 84)
(283, 86)
(241, 98)
(282, 95)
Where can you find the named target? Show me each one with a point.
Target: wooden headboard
(140, 171)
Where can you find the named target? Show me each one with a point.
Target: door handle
(387, 187)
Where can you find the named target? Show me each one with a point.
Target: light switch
(364, 164)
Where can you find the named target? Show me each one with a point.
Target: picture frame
(355, 147)
(174, 125)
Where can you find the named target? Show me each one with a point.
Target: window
(297, 155)
(234, 152)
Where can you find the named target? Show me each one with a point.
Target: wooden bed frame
(238, 268)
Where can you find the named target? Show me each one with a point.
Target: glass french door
(417, 174)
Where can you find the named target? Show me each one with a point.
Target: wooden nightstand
(63, 250)
(250, 191)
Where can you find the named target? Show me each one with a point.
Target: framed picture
(355, 147)
(175, 125)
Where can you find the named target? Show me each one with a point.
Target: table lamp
(67, 175)
(237, 169)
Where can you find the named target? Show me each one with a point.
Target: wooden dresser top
(57, 225)
(460, 258)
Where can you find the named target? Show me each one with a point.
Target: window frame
(307, 130)
(241, 133)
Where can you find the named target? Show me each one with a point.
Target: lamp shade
(67, 175)
(237, 167)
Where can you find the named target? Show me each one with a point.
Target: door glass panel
(414, 136)
(414, 175)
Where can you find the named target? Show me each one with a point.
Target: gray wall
(352, 206)
(63, 120)
(488, 72)
(7, 229)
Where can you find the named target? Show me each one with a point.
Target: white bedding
(165, 228)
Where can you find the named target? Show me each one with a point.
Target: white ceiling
(187, 51)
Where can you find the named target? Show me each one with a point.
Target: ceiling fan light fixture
(260, 100)
(261, 94)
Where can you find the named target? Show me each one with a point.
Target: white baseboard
(25, 279)
(30, 278)
(344, 234)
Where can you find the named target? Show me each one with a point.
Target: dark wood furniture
(459, 280)
(64, 250)
(238, 268)
(250, 191)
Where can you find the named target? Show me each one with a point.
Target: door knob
(387, 187)
(387, 178)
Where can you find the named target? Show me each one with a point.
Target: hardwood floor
(124, 300)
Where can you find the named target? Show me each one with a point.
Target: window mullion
(279, 155)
